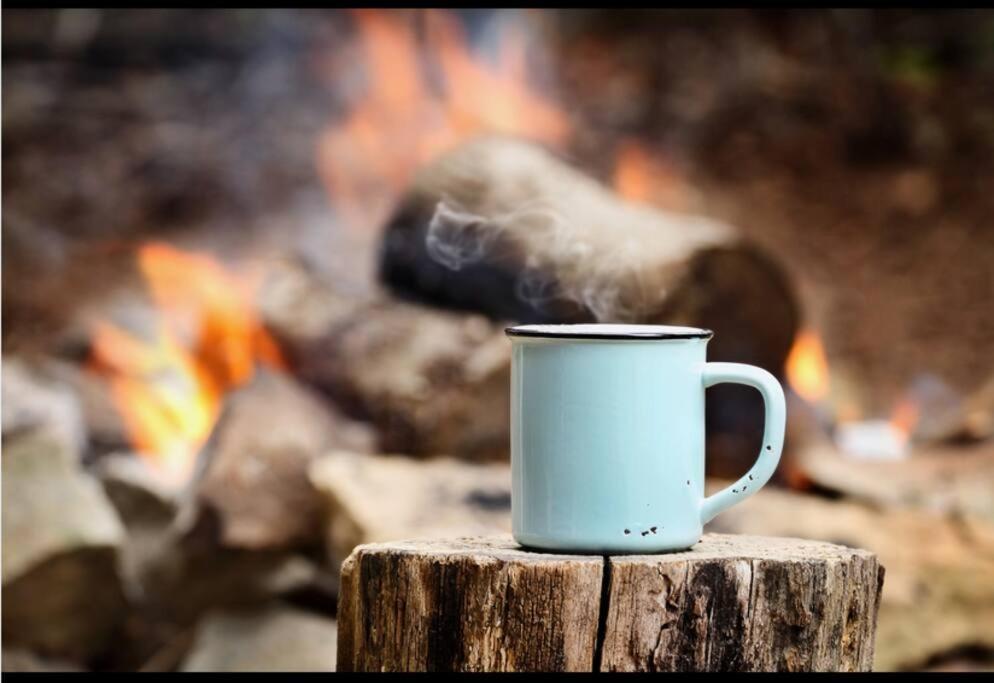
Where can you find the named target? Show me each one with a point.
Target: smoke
(457, 238)
(560, 264)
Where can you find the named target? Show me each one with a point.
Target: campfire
(312, 355)
(425, 90)
(207, 341)
(807, 371)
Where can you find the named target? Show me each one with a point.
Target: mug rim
(608, 331)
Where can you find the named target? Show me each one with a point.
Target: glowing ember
(406, 117)
(169, 393)
(807, 368)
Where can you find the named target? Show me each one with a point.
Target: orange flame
(633, 172)
(641, 176)
(807, 368)
(169, 396)
(405, 119)
(905, 415)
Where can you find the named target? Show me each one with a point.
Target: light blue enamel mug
(607, 436)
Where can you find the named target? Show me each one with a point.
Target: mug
(607, 436)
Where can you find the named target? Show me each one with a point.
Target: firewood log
(431, 382)
(523, 236)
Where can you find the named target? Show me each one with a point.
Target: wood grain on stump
(730, 603)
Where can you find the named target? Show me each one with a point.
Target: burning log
(62, 592)
(732, 603)
(383, 498)
(522, 236)
(253, 471)
(431, 382)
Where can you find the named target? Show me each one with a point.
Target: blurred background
(257, 266)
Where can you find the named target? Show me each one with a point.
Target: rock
(188, 575)
(372, 498)
(147, 506)
(178, 567)
(252, 474)
(272, 639)
(972, 659)
(62, 590)
(23, 661)
(105, 426)
(939, 592)
(139, 494)
(953, 480)
(35, 398)
(429, 381)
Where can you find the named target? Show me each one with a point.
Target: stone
(35, 398)
(23, 661)
(270, 639)
(939, 593)
(252, 474)
(371, 498)
(62, 588)
(951, 480)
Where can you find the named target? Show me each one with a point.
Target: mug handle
(773, 431)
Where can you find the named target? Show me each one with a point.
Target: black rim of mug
(566, 333)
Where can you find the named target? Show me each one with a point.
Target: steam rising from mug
(572, 247)
(560, 264)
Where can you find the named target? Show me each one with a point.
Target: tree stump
(731, 603)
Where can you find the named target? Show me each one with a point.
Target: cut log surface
(731, 603)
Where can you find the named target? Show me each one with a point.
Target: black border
(519, 331)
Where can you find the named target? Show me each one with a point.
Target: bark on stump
(730, 603)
